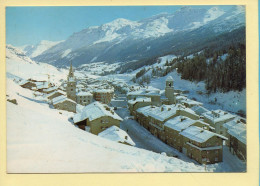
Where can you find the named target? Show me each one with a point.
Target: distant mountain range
(123, 40)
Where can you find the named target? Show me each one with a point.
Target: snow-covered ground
(41, 139)
(18, 65)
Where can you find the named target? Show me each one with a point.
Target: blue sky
(30, 25)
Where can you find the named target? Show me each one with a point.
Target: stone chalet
(97, 117)
(202, 145)
(27, 84)
(236, 133)
(153, 118)
(217, 118)
(174, 126)
(64, 103)
(84, 98)
(55, 94)
(103, 95)
(118, 135)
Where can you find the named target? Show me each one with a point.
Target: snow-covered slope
(40, 140)
(117, 40)
(21, 66)
(35, 50)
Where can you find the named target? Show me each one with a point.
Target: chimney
(162, 109)
(169, 109)
(126, 137)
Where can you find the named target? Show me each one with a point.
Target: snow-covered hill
(18, 65)
(41, 139)
(35, 50)
(117, 40)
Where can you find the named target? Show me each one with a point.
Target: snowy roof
(84, 94)
(239, 132)
(95, 110)
(181, 97)
(61, 99)
(41, 85)
(191, 102)
(218, 115)
(23, 82)
(138, 92)
(198, 134)
(50, 89)
(139, 99)
(169, 78)
(179, 123)
(116, 134)
(58, 91)
(163, 112)
(104, 91)
(153, 93)
(145, 110)
(199, 109)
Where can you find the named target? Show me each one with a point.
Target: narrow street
(143, 138)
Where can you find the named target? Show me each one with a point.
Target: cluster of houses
(186, 125)
(95, 117)
(71, 94)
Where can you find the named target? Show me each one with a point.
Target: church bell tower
(71, 84)
(169, 90)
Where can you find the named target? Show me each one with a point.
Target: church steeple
(71, 73)
(71, 84)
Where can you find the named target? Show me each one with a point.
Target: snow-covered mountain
(124, 40)
(35, 50)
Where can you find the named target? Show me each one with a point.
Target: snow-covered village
(165, 93)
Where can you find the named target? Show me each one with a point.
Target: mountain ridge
(109, 42)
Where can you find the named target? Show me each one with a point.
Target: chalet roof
(199, 109)
(23, 82)
(218, 115)
(50, 89)
(56, 92)
(163, 112)
(41, 84)
(61, 99)
(239, 132)
(104, 91)
(94, 111)
(116, 134)
(191, 102)
(198, 134)
(145, 110)
(139, 99)
(84, 94)
(179, 123)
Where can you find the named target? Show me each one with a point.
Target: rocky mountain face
(123, 40)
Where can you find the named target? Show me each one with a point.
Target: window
(72, 89)
(216, 159)
(216, 152)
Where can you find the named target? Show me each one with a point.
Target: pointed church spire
(71, 73)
